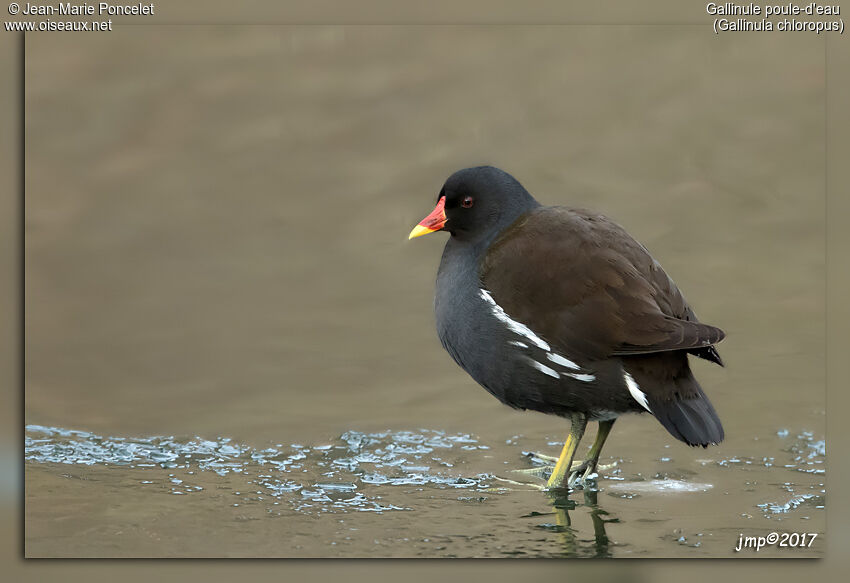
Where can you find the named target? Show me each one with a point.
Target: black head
(475, 203)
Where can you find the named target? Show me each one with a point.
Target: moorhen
(560, 310)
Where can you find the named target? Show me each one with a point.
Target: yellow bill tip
(418, 231)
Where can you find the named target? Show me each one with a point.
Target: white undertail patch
(513, 325)
(634, 389)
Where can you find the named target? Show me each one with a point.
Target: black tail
(692, 420)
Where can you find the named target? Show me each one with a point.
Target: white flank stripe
(515, 326)
(558, 359)
(634, 389)
(544, 369)
(587, 378)
(516, 343)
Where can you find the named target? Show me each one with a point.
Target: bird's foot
(583, 472)
(578, 479)
(544, 471)
(580, 471)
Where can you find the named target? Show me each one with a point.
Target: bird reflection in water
(574, 544)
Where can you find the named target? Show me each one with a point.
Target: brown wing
(586, 286)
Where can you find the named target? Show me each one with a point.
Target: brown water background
(216, 225)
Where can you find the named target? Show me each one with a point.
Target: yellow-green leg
(560, 477)
(589, 466)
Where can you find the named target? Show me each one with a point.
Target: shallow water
(426, 481)
(230, 348)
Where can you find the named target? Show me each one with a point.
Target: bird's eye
(467, 202)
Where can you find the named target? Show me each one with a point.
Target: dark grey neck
(460, 310)
(463, 318)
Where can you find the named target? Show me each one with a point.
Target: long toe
(580, 480)
(542, 472)
(588, 474)
(520, 485)
(540, 458)
(587, 471)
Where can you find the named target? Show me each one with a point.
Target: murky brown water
(229, 341)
